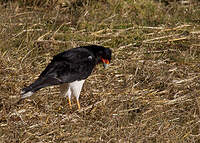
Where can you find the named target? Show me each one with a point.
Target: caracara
(70, 69)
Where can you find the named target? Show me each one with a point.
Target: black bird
(69, 69)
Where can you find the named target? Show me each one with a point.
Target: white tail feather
(24, 95)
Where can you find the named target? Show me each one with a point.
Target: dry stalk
(177, 100)
(149, 27)
(28, 30)
(91, 106)
(53, 41)
(60, 28)
(20, 14)
(178, 39)
(41, 38)
(160, 38)
(163, 30)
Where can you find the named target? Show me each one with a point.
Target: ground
(149, 93)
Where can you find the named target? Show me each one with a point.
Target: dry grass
(150, 93)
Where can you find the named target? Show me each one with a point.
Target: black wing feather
(76, 63)
(66, 67)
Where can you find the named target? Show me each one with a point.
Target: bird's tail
(38, 84)
(41, 82)
(28, 91)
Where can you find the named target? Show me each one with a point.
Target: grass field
(149, 94)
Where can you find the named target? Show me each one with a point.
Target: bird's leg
(69, 98)
(70, 104)
(66, 91)
(79, 107)
(76, 87)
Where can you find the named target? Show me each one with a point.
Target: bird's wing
(75, 55)
(75, 64)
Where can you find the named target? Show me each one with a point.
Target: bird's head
(105, 56)
(102, 54)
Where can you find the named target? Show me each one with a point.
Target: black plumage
(67, 67)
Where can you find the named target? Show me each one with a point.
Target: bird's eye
(90, 57)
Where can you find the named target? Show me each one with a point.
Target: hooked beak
(105, 63)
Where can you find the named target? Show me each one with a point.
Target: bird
(69, 70)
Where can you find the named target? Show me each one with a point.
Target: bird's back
(71, 65)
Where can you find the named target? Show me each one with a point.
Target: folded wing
(72, 65)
